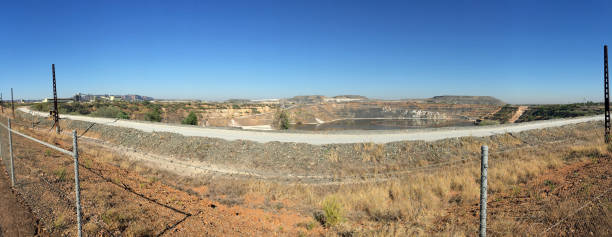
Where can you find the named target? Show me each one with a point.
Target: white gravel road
(320, 138)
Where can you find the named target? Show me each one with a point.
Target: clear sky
(518, 51)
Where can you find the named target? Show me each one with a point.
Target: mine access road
(321, 138)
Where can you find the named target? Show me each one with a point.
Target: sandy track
(517, 114)
(331, 137)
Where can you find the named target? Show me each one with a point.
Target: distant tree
(123, 115)
(191, 119)
(106, 112)
(283, 120)
(153, 115)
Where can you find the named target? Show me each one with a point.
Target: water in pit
(383, 124)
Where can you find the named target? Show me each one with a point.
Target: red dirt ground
(118, 201)
(573, 200)
(16, 219)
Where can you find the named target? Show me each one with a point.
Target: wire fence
(42, 175)
(74, 154)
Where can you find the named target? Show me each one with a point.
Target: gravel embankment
(277, 159)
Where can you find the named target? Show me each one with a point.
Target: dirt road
(517, 114)
(329, 137)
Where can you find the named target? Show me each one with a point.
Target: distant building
(60, 100)
(92, 98)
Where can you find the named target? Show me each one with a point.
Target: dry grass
(410, 205)
(370, 152)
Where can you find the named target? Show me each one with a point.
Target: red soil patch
(573, 200)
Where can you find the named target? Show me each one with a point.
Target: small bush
(153, 116)
(584, 152)
(44, 107)
(60, 174)
(332, 211)
(191, 119)
(487, 122)
(117, 219)
(60, 222)
(109, 112)
(283, 119)
(123, 115)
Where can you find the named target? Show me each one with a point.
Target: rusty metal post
(606, 95)
(55, 109)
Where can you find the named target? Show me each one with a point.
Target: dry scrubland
(529, 192)
(209, 114)
(537, 178)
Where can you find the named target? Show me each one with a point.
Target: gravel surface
(307, 162)
(329, 137)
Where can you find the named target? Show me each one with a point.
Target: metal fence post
(77, 189)
(1, 143)
(11, 152)
(484, 165)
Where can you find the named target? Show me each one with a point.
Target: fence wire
(45, 180)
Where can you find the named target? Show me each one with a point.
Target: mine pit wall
(327, 112)
(337, 160)
(352, 110)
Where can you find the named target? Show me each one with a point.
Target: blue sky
(518, 51)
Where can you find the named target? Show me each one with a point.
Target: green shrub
(107, 112)
(542, 112)
(60, 222)
(191, 119)
(283, 120)
(123, 115)
(332, 211)
(154, 114)
(488, 122)
(60, 174)
(44, 107)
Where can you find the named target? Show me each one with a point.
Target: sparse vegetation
(501, 116)
(333, 212)
(108, 112)
(123, 115)
(542, 112)
(60, 174)
(283, 120)
(157, 112)
(60, 222)
(488, 122)
(154, 114)
(191, 119)
(418, 203)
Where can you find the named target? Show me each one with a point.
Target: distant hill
(360, 97)
(454, 99)
(307, 99)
